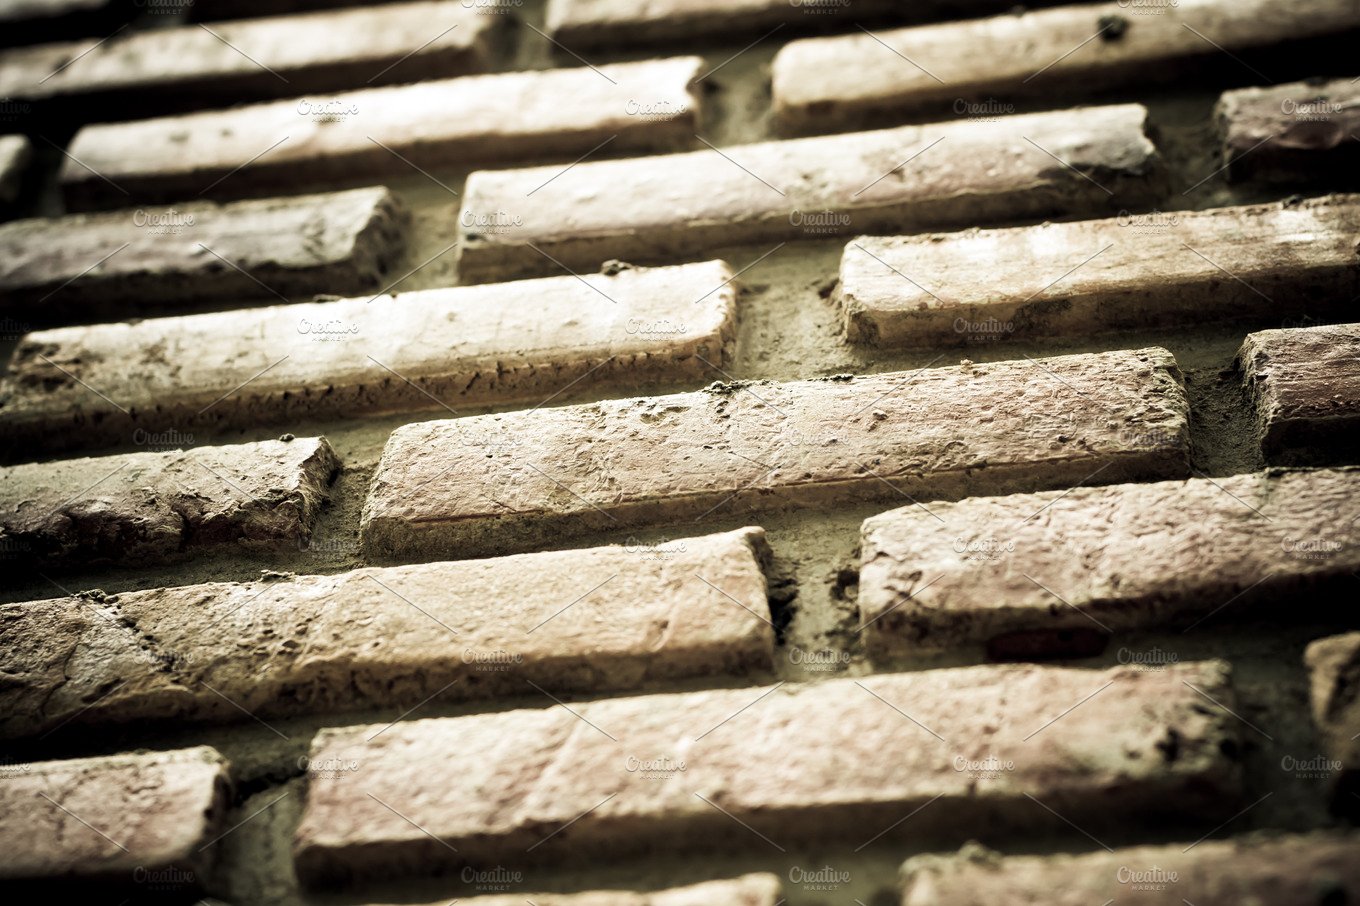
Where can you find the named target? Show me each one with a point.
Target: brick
(835, 82)
(742, 448)
(1334, 685)
(747, 890)
(1045, 570)
(1302, 132)
(178, 68)
(115, 820)
(609, 618)
(655, 208)
(141, 261)
(1318, 867)
(1079, 278)
(1305, 387)
(15, 153)
(478, 345)
(486, 120)
(509, 783)
(148, 507)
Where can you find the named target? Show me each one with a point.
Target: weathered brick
(223, 63)
(144, 260)
(657, 208)
(1048, 571)
(1079, 278)
(15, 153)
(523, 341)
(824, 83)
(488, 120)
(146, 507)
(1305, 386)
(609, 618)
(115, 820)
(747, 890)
(1334, 679)
(792, 763)
(944, 432)
(1261, 868)
(1303, 132)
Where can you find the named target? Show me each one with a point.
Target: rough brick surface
(1305, 385)
(610, 618)
(944, 432)
(1334, 674)
(823, 83)
(1085, 277)
(747, 890)
(623, 23)
(1303, 132)
(523, 341)
(264, 148)
(944, 174)
(1302, 868)
(142, 260)
(511, 782)
(1100, 560)
(116, 819)
(279, 56)
(15, 152)
(147, 507)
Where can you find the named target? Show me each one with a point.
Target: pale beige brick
(148, 259)
(487, 120)
(841, 760)
(1303, 132)
(1130, 272)
(1305, 385)
(740, 448)
(1056, 572)
(824, 83)
(112, 820)
(224, 63)
(15, 153)
(155, 506)
(747, 890)
(917, 177)
(609, 618)
(1334, 684)
(1317, 867)
(524, 341)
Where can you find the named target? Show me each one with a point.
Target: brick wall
(682, 452)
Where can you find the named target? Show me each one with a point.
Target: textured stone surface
(1262, 868)
(263, 148)
(1105, 559)
(1334, 678)
(147, 507)
(747, 890)
(623, 23)
(116, 820)
(1302, 132)
(86, 267)
(825, 83)
(600, 619)
(1305, 385)
(15, 152)
(1078, 278)
(836, 760)
(277, 56)
(944, 432)
(939, 175)
(522, 341)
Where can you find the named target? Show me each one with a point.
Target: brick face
(1333, 671)
(1303, 132)
(15, 153)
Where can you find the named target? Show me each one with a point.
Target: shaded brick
(1084, 277)
(272, 147)
(1261, 868)
(140, 261)
(792, 764)
(741, 448)
(114, 820)
(223, 63)
(15, 153)
(610, 618)
(524, 341)
(1303, 132)
(1106, 559)
(825, 83)
(747, 890)
(1334, 681)
(29, 21)
(657, 208)
(1305, 386)
(148, 507)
